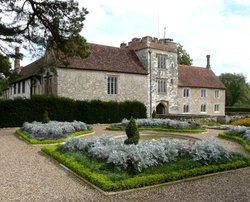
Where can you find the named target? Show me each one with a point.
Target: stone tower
(159, 58)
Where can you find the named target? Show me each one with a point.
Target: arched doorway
(160, 109)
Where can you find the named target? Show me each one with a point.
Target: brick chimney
(17, 66)
(208, 62)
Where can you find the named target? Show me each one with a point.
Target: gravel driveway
(26, 174)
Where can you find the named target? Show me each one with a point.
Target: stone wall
(195, 101)
(147, 49)
(91, 85)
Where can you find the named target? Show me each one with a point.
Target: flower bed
(159, 125)
(242, 122)
(111, 165)
(52, 132)
(240, 134)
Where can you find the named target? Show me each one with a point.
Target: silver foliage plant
(53, 129)
(165, 123)
(147, 153)
(241, 131)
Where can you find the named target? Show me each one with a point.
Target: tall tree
(237, 89)
(183, 57)
(41, 24)
(5, 66)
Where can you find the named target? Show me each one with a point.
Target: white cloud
(216, 27)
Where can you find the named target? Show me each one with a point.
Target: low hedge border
(199, 130)
(102, 182)
(51, 141)
(237, 139)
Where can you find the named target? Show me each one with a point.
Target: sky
(220, 28)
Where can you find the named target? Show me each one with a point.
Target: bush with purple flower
(52, 129)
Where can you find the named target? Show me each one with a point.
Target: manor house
(145, 69)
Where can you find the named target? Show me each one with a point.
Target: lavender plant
(241, 131)
(161, 123)
(52, 129)
(147, 153)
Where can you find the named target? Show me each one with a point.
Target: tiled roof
(102, 58)
(32, 69)
(198, 77)
(107, 58)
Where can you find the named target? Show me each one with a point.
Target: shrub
(13, 113)
(160, 123)
(154, 114)
(45, 117)
(132, 133)
(102, 179)
(52, 129)
(240, 131)
(242, 122)
(147, 153)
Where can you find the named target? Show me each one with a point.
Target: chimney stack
(208, 62)
(17, 66)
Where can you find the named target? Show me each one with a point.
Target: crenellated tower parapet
(151, 42)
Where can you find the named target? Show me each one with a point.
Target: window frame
(186, 108)
(23, 87)
(186, 92)
(161, 61)
(203, 92)
(19, 87)
(203, 108)
(162, 86)
(217, 93)
(112, 85)
(14, 88)
(216, 107)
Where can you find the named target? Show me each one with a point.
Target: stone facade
(92, 85)
(195, 101)
(145, 70)
(149, 50)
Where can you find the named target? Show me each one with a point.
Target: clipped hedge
(237, 109)
(51, 141)
(13, 113)
(101, 180)
(238, 139)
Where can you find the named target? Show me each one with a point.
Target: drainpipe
(150, 83)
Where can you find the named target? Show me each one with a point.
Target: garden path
(26, 174)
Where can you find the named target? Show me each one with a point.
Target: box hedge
(14, 112)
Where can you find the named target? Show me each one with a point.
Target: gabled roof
(108, 58)
(32, 69)
(101, 58)
(198, 77)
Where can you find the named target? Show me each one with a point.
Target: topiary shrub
(45, 117)
(154, 114)
(132, 132)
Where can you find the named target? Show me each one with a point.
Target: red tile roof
(198, 77)
(107, 58)
(32, 69)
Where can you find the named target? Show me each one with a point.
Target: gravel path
(28, 175)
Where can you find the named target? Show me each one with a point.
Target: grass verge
(109, 178)
(51, 141)
(237, 139)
